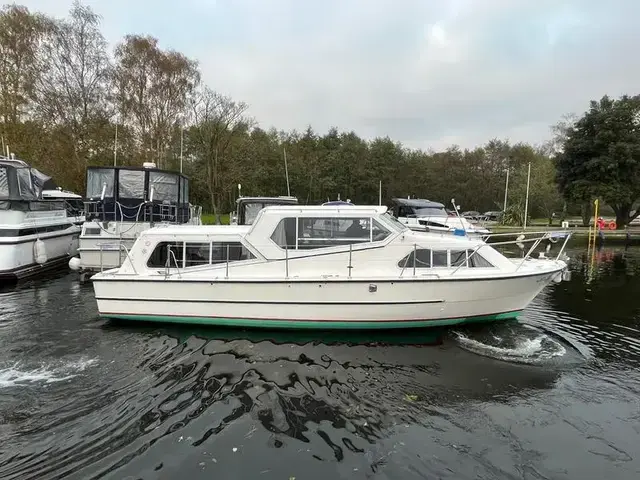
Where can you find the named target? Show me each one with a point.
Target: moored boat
(121, 203)
(319, 267)
(247, 208)
(36, 233)
(427, 216)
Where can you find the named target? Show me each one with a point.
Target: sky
(427, 73)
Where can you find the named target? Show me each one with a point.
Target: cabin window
(425, 258)
(165, 186)
(330, 232)
(311, 233)
(4, 183)
(439, 258)
(96, 178)
(25, 186)
(131, 184)
(196, 254)
(237, 252)
(477, 260)
(167, 254)
(422, 259)
(458, 258)
(405, 212)
(285, 234)
(193, 254)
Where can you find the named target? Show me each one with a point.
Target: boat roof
(59, 194)
(141, 168)
(324, 210)
(283, 199)
(13, 162)
(417, 202)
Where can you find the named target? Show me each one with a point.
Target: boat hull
(17, 257)
(335, 304)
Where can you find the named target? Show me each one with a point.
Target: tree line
(67, 101)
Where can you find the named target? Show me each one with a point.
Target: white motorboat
(37, 232)
(122, 202)
(320, 267)
(424, 215)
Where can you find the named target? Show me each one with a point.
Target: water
(555, 395)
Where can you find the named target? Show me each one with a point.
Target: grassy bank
(210, 219)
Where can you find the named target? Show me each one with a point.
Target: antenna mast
(286, 170)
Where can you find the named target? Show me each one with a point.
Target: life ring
(612, 225)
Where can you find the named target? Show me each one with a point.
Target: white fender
(39, 252)
(75, 263)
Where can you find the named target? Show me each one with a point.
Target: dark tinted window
(422, 259)
(4, 182)
(235, 250)
(440, 258)
(166, 254)
(196, 254)
(458, 258)
(477, 260)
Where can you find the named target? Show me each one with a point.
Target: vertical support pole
(350, 257)
(286, 261)
(506, 190)
(227, 268)
(415, 248)
(526, 201)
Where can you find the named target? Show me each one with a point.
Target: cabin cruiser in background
(247, 208)
(36, 232)
(122, 202)
(340, 267)
(424, 215)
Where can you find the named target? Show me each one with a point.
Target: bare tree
(217, 121)
(21, 33)
(74, 89)
(152, 90)
(559, 132)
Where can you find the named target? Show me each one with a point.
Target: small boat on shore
(325, 267)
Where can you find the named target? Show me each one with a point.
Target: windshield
(394, 223)
(251, 212)
(430, 212)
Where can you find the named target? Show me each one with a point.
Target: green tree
(601, 156)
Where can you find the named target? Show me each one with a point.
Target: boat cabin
(137, 194)
(21, 187)
(73, 202)
(297, 234)
(247, 208)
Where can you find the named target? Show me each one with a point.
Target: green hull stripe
(307, 324)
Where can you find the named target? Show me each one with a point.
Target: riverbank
(579, 234)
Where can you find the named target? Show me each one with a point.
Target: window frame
(369, 240)
(183, 261)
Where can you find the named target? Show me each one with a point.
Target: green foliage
(601, 156)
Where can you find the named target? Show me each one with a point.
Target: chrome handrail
(120, 247)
